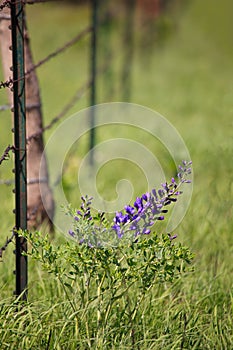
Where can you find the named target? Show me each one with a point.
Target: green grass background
(188, 78)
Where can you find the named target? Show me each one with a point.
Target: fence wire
(9, 83)
(8, 241)
(5, 4)
(8, 3)
(6, 153)
(74, 99)
(4, 108)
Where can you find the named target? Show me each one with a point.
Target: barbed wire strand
(9, 83)
(7, 182)
(32, 2)
(61, 49)
(8, 241)
(5, 4)
(3, 16)
(4, 108)
(76, 97)
(6, 153)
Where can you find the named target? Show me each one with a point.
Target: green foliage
(106, 288)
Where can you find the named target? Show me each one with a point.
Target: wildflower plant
(107, 285)
(135, 220)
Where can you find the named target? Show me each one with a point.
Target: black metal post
(104, 46)
(128, 42)
(93, 76)
(17, 27)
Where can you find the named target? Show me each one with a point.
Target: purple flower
(138, 204)
(137, 219)
(161, 193)
(172, 237)
(154, 194)
(117, 229)
(146, 231)
(129, 210)
(146, 196)
(71, 233)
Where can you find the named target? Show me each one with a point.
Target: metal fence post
(93, 76)
(128, 42)
(17, 27)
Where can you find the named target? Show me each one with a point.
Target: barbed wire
(77, 96)
(9, 83)
(4, 108)
(6, 153)
(32, 2)
(8, 241)
(7, 182)
(4, 16)
(5, 4)
(28, 107)
(74, 99)
(61, 49)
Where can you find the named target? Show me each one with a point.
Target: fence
(99, 34)
(17, 84)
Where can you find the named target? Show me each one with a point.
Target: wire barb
(8, 241)
(77, 96)
(6, 3)
(6, 153)
(4, 108)
(61, 49)
(9, 83)
(32, 2)
(6, 84)
(7, 182)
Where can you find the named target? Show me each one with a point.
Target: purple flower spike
(154, 194)
(138, 203)
(119, 235)
(130, 210)
(71, 233)
(161, 193)
(135, 220)
(146, 196)
(146, 231)
(172, 237)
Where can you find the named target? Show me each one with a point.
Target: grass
(188, 79)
